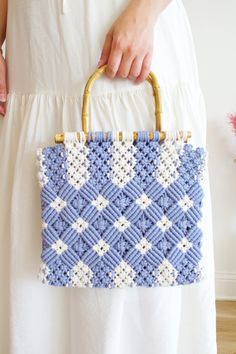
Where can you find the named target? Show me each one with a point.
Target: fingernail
(3, 97)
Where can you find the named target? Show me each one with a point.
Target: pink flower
(232, 119)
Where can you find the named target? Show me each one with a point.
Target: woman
(51, 49)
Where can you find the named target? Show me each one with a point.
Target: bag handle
(151, 78)
(96, 75)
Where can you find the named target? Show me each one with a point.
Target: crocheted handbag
(121, 209)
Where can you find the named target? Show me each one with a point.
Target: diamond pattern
(142, 232)
(152, 213)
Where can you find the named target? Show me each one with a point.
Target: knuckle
(122, 73)
(131, 48)
(119, 43)
(134, 73)
(110, 71)
(133, 76)
(111, 68)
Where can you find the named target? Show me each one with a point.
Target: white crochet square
(185, 203)
(80, 225)
(165, 178)
(164, 224)
(166, 172)
(143, 246)
(59, 247)
(143, 201)
(124, 275)
(123, 162)
(100, 203)
(166, 274)
(81, 275)
(184, 245)
(122, 224)
(58, 204)
(78, 163)
(101, 247)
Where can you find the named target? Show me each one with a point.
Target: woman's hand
(128, 46)
(3, 85)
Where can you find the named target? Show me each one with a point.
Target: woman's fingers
(146, 65)
(121, 61)
(111, 55)
(3, 86)
(128, 45)
(125, 64)
(136, 68)
(114, 59)
(106, 50)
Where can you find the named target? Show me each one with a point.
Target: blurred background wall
(214, 33)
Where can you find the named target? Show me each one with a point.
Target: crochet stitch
(121, 213)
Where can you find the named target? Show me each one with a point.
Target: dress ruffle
(183, 108)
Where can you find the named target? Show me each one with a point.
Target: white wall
(214, 32)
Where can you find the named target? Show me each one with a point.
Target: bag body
(120, 212)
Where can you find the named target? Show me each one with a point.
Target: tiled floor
(226, 327)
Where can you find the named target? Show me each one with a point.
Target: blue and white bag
(121, 209)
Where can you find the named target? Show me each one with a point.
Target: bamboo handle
(151, 78)
(97, 74)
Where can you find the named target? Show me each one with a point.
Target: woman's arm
(3, 69)
(128, 46)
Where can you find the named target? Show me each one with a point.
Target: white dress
(52, 48)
